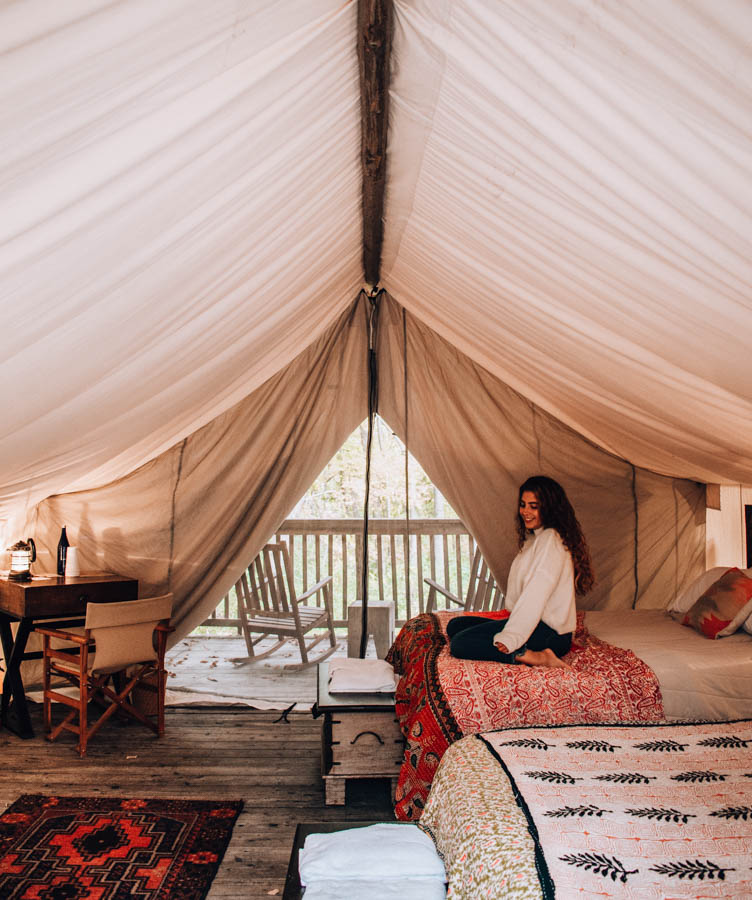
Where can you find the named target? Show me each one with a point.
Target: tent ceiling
(568, 202)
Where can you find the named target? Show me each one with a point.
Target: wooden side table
(360, 738)
(380, 626)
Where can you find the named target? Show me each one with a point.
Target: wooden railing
(441, 549)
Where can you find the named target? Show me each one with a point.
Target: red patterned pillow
(491, 614)
(724, 606)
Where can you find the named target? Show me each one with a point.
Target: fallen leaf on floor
(272, 893)
(135, 756)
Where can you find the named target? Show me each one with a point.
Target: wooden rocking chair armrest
(314, 589)
(65, 635)
(442, 590)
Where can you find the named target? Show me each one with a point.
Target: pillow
(383, 851)
(688, 598)
(723, 607)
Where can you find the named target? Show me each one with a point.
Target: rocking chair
(268, 605)
(483, 594)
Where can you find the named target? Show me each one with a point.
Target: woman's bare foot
(545, 657)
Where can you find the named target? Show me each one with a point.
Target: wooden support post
(713, 496)
(374, 46)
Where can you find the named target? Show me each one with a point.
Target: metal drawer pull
(366, 732)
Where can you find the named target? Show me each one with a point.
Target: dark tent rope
(636, 537)
(285, 714)
(373, 407)
(407, 459)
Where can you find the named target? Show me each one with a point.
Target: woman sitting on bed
(552, 566)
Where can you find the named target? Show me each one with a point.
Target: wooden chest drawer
(366, 743)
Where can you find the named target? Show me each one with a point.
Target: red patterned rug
(110, 848)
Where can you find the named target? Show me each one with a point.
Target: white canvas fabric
(180, 192)
(567, 228)
(568, 204)
(189, 521)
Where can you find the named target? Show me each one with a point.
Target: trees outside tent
(338, 491)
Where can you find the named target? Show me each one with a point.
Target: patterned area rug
(85, 848)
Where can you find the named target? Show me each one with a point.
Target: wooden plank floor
(207, 753)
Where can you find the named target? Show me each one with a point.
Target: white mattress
(699, 678)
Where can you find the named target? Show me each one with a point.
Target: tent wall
(191, 520)
(478, 439)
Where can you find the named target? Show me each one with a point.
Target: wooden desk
(45, 597)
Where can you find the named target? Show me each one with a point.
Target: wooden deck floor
(207, 753)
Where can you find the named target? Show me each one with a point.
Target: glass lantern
(22, 555)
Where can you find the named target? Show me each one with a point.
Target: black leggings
(471, 637)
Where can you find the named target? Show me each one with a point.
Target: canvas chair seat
(122, 643)
(483, 594)
(268, 605)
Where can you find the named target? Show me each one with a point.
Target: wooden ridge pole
(374, 47)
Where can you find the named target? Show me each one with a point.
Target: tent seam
(636, 536)
(172, 513)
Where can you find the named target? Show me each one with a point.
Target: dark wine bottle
(62, 552)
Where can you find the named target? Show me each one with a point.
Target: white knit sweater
(540, 587)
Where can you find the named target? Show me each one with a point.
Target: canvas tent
(564, 286)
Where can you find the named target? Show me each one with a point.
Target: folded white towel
(377, 889)
(376, 852)
(361, 676)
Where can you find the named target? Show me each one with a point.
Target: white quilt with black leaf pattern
(637, 811)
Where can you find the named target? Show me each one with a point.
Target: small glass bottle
(62, 552)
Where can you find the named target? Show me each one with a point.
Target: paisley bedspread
(440, 699)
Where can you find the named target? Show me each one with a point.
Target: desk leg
(16, 717)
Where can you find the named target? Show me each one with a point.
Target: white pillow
(686, 601)
(361, 676)
(375, 852)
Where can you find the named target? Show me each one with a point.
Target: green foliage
(339, 491)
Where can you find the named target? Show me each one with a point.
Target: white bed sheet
(699, 678)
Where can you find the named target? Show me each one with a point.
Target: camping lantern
(22, 555)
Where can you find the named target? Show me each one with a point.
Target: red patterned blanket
(440, 699)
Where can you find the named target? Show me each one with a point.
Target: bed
(627, 666)
(633, 811)
(699, 679)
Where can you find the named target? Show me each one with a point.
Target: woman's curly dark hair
(556, 512)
